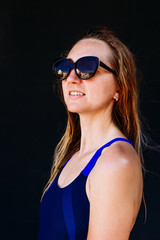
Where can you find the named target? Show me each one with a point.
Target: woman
(96, 184)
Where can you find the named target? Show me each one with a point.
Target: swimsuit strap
(97, 154)
(93, 160)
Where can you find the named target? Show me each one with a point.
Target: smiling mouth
(76, 94)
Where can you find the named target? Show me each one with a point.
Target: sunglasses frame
(74, 64)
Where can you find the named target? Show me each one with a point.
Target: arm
(115, 194)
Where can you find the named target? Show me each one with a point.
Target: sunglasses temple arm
(108, 68)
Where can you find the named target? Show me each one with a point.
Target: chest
(65, 211)
(65, 181)
(72, 170)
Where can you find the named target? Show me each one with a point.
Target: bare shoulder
(119, 157)
(118, 166)
(115, 192)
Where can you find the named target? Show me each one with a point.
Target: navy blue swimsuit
(64, 212)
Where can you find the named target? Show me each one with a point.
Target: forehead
(90, 47)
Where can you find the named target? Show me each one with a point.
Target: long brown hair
(125, 111)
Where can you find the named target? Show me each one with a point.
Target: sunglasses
(85, 67)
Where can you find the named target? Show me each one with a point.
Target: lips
(76, 93)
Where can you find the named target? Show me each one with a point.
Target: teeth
(76, 94)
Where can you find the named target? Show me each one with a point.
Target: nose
(72, 78)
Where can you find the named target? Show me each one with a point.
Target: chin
(74, 108)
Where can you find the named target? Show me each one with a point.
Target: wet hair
(125, 112)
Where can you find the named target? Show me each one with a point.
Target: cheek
(63, 89)
(63, 86)
(103, 90)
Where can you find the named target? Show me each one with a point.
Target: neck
(96, 130)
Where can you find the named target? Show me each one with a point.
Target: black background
(32, 119)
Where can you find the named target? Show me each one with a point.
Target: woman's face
(97, 93)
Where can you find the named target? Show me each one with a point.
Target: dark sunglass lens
(61, 69)
(86, 67)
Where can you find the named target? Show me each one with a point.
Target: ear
(116, 95)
